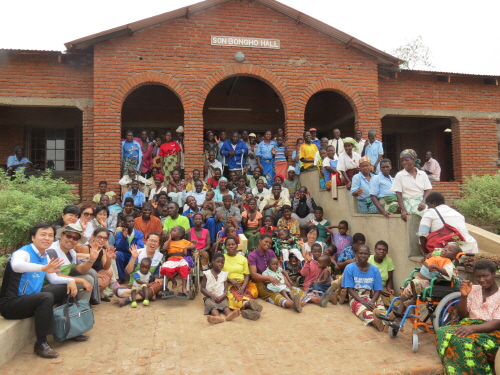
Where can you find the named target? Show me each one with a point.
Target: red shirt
(263, 230)
(169, 148)
(213, 183)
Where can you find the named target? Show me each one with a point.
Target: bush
(26, 201)
(481, 199)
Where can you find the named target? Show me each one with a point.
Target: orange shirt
(438, 261)
(153, 225)
(178, 247)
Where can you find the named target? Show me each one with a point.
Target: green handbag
(72, 319)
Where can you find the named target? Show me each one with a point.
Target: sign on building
(239, 41)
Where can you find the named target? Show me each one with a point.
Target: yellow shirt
(236, 267)
(190, 186)
(308, 152)
(269, 200)
(97, 197)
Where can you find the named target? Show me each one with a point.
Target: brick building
(73, 108)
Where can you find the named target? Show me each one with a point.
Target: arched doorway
(151, 107)
(243, 103)
(328, 110)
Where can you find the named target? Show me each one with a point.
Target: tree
(414, 54)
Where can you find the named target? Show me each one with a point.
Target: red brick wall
(42, 75)
(11, 137)
(308, 62)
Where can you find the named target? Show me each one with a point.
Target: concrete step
(14, 335)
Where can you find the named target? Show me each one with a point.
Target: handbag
(442, 236)
(72, 319)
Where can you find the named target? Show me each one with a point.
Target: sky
(462, 37)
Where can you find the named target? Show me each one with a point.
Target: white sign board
(239, 41)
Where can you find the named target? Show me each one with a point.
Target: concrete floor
(173, 337)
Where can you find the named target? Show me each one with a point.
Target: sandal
(182, 295)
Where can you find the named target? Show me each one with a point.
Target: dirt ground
(173, 337)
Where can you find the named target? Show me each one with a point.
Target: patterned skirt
(366, 206)
(129, 162)
(390, 204)
(470, 355)
(360, 310)
(236, 299)
(411, 205)
(169, 164)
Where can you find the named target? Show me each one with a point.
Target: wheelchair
(434, 308)
(193, 279)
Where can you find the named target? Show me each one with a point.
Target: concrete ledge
(486, 241)
(14, 335)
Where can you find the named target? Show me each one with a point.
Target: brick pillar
(193, 138)
(86, 187)
(475, 147)
(294, 129)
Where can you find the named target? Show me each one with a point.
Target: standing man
(235, 150)
(432, 167)
(180, 140)
(374, 150)
(22, 295)
(315, 140)
(337, 142)
(360, 142)
(252, 149)
(220, 142)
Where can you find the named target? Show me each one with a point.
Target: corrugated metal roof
(85, 42)
(420, 71)
(29, 51)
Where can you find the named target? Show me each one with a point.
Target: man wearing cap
(180, 140)
(17, 161)
(63, 249)
(22, 295)
(315, 140)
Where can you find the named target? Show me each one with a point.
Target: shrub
(26, 201)
(481, 199)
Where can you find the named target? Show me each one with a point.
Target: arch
(148, 78)
(246, 70)
(351, 95)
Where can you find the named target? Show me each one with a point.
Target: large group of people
(259, 234)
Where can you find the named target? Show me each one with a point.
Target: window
(57, 149)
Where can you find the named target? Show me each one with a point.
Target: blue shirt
(297, 165)
(347, 253)
(132, 150)
(380, 186)
(237, 161)
(12, 160)
(360, 181)
(264, 150)
(373, 150)
(191, 221)
(138, 199)
(355, 278)
(317, 143)
(333, 164)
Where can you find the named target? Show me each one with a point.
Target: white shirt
(20, 262)
(215, 164)
(333, 142)
(126, 181)
(345, 162)
(200, 197)
(434, 168)
(411, 187)
(360, 145)
(153, 192)
(215, 286)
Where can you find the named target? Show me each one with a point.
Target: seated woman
(201, 238)
(348, 164)
(241, 190)
(159, 204)
(411, 185)
(158, 187)
(434, 219)
(311, 238)
(150, 250)
(291, 183)
(289, 222)
(471, 347)
(101, 221)
(175, 187)
(386, 268)
(254, 178)
(222, 190)
(128, 209)
(103, 190)
(176, 248)
(361, 187)
(98, 242)
(380, 190)
(87, 213)
(257, 261)
(260, 192)
(279, 179)
(241, 291)
(364, 283)
(69, 215)
(251, 220)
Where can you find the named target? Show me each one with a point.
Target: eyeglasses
(87, 214)
(101, 237)
(71, 237)
(153, 241)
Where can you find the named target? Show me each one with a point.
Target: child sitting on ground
(274, 270)
(268, 226)
(331, 251)
(177, 248)
(437, 266)
(340, 239)
(214, 288)
(311, 270)
(324, 280)
(285, 244)
(141, 280)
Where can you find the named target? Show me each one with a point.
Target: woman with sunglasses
(102, 265)
(87, 213)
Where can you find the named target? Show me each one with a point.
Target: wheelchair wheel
(393, 332)
(414, 343)
(300, 281)
(446, 313)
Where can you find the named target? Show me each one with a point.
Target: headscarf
(365, 158)
(351, 141)
(280, 176)
(222, 179)
(160, 176)
(408, 153)
(197, 214)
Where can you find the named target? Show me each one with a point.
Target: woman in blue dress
(131, 153)
(265, 156)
